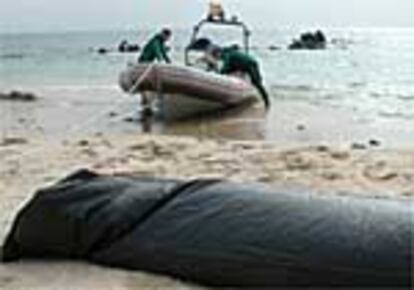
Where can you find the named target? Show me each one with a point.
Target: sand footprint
(297, 161)
(380, 171)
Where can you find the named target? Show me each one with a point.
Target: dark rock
(319, 36)
(274, 47)
(10, 141)
(13, 55)
(374, 143)
(301, 128)
(124, 46)
(113, 114)
(18, 96)
(83, 143)
(310, 40)
(102, 50)
(133, 48)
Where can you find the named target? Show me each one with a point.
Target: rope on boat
(141, 79)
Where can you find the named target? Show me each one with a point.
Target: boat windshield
(224, 33)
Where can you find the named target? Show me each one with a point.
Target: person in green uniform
(235, 60)
(155, 49)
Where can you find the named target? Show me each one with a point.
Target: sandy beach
(30, 164)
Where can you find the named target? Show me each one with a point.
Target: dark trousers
(253, 71)
(256, 78)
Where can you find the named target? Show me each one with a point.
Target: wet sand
(59, 113)
(330, 151)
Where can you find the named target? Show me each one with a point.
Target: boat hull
(184, 91)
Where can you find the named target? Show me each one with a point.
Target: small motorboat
(182, 91)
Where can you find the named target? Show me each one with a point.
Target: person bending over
(235, 60)
(155, 49)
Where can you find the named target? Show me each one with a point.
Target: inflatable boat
(190, 89)
(182, 91)
(218, 233)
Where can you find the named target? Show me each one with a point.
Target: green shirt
(234, 59)
(154, 50)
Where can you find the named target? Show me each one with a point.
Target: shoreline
(61, 114)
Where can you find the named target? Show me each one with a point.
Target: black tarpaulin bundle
(218, 233)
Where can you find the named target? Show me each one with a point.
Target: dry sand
(26, 165)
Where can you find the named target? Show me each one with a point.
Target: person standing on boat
(235, 60)
(155, 49)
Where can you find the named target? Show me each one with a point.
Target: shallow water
(363, 83)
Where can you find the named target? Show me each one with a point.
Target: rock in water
(18, 96)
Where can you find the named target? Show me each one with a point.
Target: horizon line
(182, 27)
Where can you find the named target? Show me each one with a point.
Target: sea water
(367, 70)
